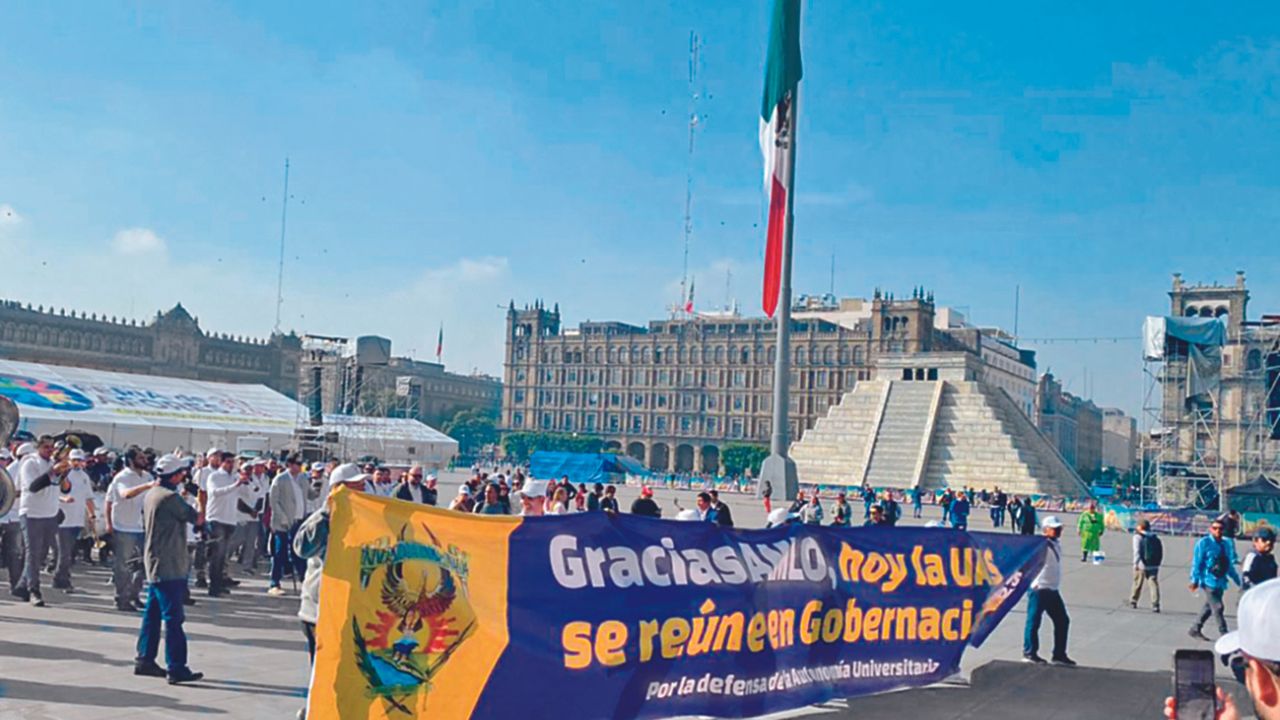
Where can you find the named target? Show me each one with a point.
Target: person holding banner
(1045, 597)
(645, 505)
(309, 543)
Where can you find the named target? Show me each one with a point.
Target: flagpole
(779, 470)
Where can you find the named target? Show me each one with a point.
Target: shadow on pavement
(254, 688)
(1003, 690)
(43, 652)
(63, 694)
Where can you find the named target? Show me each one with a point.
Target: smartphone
(1193, 687)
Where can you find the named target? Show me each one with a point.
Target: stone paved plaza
(74, 658)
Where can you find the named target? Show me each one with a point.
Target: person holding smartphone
(1257, 642)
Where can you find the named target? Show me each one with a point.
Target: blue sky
(449, 156)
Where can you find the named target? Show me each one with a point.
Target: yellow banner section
(413, 611)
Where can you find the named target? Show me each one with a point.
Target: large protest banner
(434, 614)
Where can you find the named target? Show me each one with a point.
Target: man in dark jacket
(165, 518)
(724, 516)
(411, 488)
(645, 505)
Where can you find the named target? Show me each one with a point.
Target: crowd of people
(159, 521)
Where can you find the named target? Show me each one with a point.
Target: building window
(735, 428)
(857, 355)
(613, 423)
(570, 398)
(661, 400)
(637, 400)
(686, 424)
(591, 423)
(593, 399)
(519, 396)
(660, 424)
(637, 423)
(711, 426)
(546, 421)
(801, 356)
(568, 421)
(517, 419)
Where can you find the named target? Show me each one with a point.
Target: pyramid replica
(931, 421)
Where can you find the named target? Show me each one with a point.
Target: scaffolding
(1193, 452)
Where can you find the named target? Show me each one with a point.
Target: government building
(673, 393)
(172, 345)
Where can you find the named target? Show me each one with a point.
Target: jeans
(11, 552)
(38, 535)
(866, 509)
(1212, 607)
(67, 537)
(126, 568)
(960, 522)
(917, 511)
(283, 558)
(1040, 602)
(164, 605)
(1141, 576)
(217, 548)
(997, 516)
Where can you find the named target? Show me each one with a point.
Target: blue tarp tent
(583, 467)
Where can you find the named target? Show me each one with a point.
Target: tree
(739, 458)
(473, 429)
(519, 446)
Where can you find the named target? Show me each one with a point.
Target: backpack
(1150, 551)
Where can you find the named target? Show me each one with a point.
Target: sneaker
(1033, 659)
(202, 583)
(125, 606)
(219, 592)
(1195, 633)
(36, 601)
(1156, 609)
(276, 591)
(1133, 604)
(185, 677)
(1064, 661)
(231, 583)
(189, 601)
(148, 670)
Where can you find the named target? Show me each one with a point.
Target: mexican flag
(777, 123)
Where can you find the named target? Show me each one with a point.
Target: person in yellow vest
(1091, 527)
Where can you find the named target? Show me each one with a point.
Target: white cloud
(8, 216)
(138, 241)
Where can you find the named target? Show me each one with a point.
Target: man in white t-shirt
(223, 491)
(77, 507)
(38, 515)
(11, 552)
(205, 466)
(124, 507)
(252, 503)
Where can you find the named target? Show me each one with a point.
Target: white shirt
(223, 490)
(253, 492)
(126, 514)
(42, 504)
(1050, 577)
(76, 506)
(201, 477)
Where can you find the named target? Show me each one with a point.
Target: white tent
(159, 412)
(395, 441)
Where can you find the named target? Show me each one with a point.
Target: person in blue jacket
(1213, 563)
(960, 512)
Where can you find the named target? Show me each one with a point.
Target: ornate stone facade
(672, 394)
(171, 345)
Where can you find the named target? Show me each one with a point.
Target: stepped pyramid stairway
(939, 433)
(908, 413)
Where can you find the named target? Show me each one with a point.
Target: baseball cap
(646, 491)
(213, 452)
(102, 451)
(1259, 633)
(532, 488)
(170, 464)
(1265, 533)
(1051, 521)
(346, 473)
(76, 454)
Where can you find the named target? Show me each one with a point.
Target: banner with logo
(435, 614)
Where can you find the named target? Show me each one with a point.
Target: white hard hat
(1051, 521)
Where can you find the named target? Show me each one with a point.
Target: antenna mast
(284, 215)
(695, 44)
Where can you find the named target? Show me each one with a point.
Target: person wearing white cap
(11, 551)
(165, 517)
(1257, 644)
(223, 487)
(77, 508)
(309, 543)
(533, 497)
(38, 514)
(206, 466)
(1045, 597)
